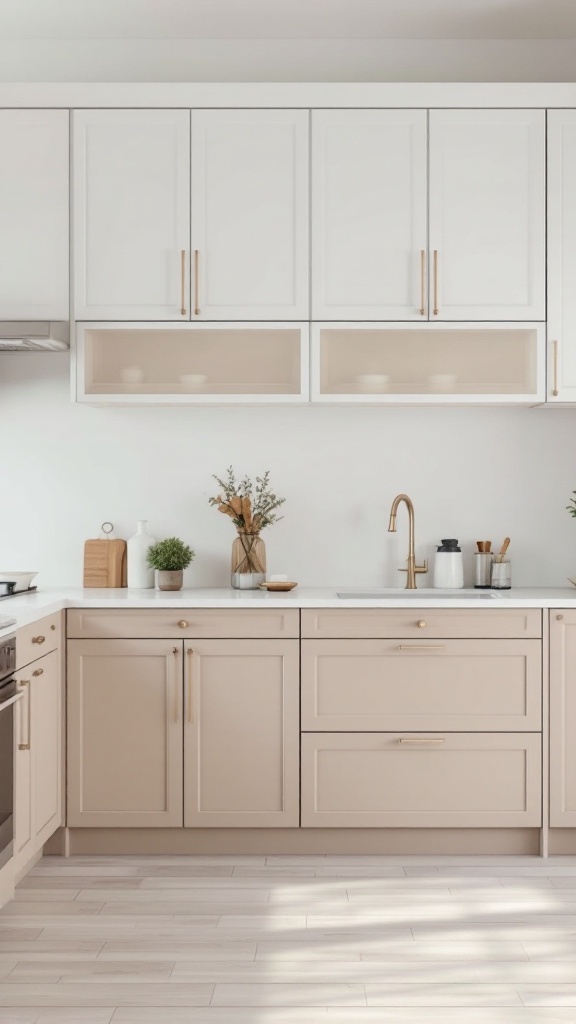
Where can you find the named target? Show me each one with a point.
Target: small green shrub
(170, 555)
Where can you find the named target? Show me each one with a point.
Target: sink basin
(418, 595)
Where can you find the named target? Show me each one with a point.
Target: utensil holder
(501, 575)
(483, 570)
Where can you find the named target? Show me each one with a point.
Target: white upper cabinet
(250, 214)
(132, 214)
(487, 215)
(34, 201)
(369, 231)
(561, 256)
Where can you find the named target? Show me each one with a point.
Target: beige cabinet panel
(372, 780)
(422, 623)
(241, 733)
(38, 638)
(124, 733)
(183, 623)
(563, 718)
(458, 685)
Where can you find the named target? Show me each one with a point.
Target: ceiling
(287, 19)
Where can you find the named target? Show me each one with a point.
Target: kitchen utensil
(22, 580)
(105, 561)
(504, 547)
(278, 586)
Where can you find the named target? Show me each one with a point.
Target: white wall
(287, 60)
(472, 473)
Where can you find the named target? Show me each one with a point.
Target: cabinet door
(124, 733)
(46, 743)
(462, 780)
(561, 255)
(487, 215)
(369, 231)
(250, 214)
(241, 733)
(562, 718)
(34, 215)
(131, 214)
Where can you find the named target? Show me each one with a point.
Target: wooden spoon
(504, 547)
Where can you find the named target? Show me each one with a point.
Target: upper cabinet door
(561, 256)
(487, 215)
(250, 214)
(131, 214)
(369, 215)
(34, 201)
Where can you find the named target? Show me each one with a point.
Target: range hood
(34, 336)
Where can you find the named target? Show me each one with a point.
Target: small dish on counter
(21, 580)
(278, 585)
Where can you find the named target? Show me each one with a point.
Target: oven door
(6, 779)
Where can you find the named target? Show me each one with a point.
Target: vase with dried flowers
(251, 507)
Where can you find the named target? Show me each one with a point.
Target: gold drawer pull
(38, 639)
(52, 627)
(183, 624)
(421, 739)
(559, 617)
(176, 652)
(190, 653)
(24, 740)
(38, 672)
(421, 647)
(421, 623)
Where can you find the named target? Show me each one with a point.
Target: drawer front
(445, 623)
(38, 638)
(372, 780)
(182, 623)
(456, 685)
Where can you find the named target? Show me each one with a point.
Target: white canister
(140, 575)
(448, 566)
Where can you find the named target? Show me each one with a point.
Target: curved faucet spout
(412, 569)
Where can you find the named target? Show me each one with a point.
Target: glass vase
(248, 561)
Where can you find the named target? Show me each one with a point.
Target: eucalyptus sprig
(571, 508)
(250, 506)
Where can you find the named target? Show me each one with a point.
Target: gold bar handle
(435, 282)
(196, 282)
(422, 282)
(183, 282)
(25, 740)
(421, 647)
(176, 652)
(555, 367)
(38, 672)
(421, 739)
(38, 639)
(190, 654)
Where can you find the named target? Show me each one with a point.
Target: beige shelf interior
(239, 361)
(490, 361)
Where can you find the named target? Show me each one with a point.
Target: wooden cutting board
(105, 563)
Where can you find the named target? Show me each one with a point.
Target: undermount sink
(418, 595)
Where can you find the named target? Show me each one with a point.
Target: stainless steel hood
(34, 336)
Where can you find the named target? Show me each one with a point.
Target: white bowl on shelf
(21, 579)
(373, 381)
(193, 380)
(131, 374)
(442, 382)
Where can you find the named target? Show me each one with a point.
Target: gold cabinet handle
(190, 654)
(183, 282)
(52, 627)
(421, 647)
(38, 672)
(421, 739)
(422, 282)
(435, 282)
(421, 623)
(196, 282)
(559, 617)
(38, 639)
(183, 624)
(176, 652)
(24, 740)
(555, 368)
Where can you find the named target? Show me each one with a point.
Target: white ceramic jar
(448, 566)
(140, 575)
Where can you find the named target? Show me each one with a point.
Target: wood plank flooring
(291, 940)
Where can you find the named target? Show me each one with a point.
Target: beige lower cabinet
(38, 757)
(563, 718)
(426, 780)
(125, 720)
(459, 685)
(241, 733)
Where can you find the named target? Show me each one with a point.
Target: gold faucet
(412, 569)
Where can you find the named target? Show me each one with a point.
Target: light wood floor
(291, 940)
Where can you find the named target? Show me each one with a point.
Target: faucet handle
(422, 568)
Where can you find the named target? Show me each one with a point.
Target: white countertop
(28, 608)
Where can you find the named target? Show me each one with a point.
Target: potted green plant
(251, 507)
(170, 557)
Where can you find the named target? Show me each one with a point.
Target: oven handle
(12, 700)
